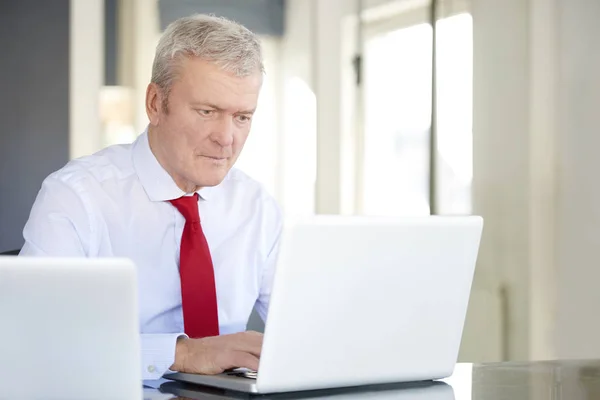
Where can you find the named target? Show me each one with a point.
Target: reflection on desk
(412, 391)
(550, 380)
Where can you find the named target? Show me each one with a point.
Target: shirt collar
(157, 182)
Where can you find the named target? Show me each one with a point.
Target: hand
(214, 355)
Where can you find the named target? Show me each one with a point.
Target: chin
(211, 180)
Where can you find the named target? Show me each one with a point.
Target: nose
(223, 131)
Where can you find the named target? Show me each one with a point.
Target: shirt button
(151, 369)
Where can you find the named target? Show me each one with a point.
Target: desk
(557, 380)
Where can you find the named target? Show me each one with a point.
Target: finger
(249, 342)
(254, 342)
(245, 360)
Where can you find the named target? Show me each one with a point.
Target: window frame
(374, 24)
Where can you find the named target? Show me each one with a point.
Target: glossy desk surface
(569, 380)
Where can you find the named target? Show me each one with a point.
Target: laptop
(362, 301)
(69, 329)
(431, 390)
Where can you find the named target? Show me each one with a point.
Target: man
(203, 235)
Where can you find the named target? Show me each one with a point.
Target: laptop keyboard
(243, 374)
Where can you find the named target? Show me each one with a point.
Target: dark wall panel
(34, 105)
(264, 17)
(110, 42)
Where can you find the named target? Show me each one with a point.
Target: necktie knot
(188, 207)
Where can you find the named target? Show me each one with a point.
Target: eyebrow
(252, 111)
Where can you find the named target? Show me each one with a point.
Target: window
(455, 114)
(397, 118)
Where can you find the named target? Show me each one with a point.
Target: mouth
(217, 160)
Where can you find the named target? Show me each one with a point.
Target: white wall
(86, 76)
(536, 99)
(501, 146)
(139, 33)
(543, 175)
(578, 233)
(298, 114)
(515, 167)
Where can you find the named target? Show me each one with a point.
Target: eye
(206, 113)
(242, 118)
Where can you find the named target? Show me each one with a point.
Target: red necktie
(198, 293)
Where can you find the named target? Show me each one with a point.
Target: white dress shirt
(115, 203)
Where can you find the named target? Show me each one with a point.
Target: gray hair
(231, 46)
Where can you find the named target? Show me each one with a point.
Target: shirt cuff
(158, 354)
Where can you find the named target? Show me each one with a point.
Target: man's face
(207, 121)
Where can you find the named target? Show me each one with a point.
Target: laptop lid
(69, 328)
(361, 301)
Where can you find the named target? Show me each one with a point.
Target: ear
(153, 103)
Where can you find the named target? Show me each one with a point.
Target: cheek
(239, 138)
(193, 131)
(177, 124)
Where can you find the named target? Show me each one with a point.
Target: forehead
(200, 81)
